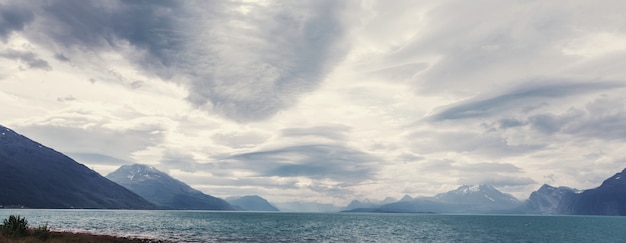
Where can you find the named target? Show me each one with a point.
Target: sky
(322, 100)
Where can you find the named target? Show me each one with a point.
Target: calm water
(208, 226)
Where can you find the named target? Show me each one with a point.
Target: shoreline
(68, 236)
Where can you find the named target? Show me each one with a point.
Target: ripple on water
(209, 226)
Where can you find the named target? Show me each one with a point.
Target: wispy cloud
(338, 163)
(521, 98)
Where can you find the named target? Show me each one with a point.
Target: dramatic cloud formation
(324, 101)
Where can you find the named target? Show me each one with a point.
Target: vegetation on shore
(15, 229)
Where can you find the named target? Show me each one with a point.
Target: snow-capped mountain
(484, 195)
(465, 199)
(141, 173)
(35, 176)
(163, 190)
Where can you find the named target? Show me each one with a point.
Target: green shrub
(42, 232)
(15, 226)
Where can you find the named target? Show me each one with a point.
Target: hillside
(161, 189)
(35, 176)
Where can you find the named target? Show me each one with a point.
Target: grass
(15, 230)
(15, 226)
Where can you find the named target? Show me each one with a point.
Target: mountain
(607, 199)
(306, 207)
(367, 203)
(354, 204)
(547, 199)
(389, 200)
(35, 176)
(163, 190)
(406, 198)
(479, 196)
(251, 203)
(416, 205)
(465, 199)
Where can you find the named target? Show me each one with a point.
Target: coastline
(78, 237)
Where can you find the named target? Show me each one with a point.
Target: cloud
(549, 123)
(245, 65)
(91, 138)
(461, 167)
(608, 128)
(484, 143)
(600, 118)
(490, 167)
(337, 163)
(96, 158)
(28, 58)
(239, 139)
(509, 123)
(329, 171)
(333, 133)
(497, 180)
(470, 50)
(96, 25)
(66, 98)
(179, 159)
(267, 58)
(521, 96)
(61, 57)
(13, 17)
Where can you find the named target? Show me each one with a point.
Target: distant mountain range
(607, 199)
(251, 203)
(164, 191)
(354, 204)
(296, 206)
(465, 199)
(35, 176)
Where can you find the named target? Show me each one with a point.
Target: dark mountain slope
(35, 176)
(607, 199)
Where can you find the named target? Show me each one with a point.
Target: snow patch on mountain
(164, 190)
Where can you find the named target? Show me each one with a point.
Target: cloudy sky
(324, 100)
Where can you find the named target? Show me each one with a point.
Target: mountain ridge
(163, 190)
(464, 199)
(35, 176)
(607, 199)
(252, 203)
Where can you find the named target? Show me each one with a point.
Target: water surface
(212, 226)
